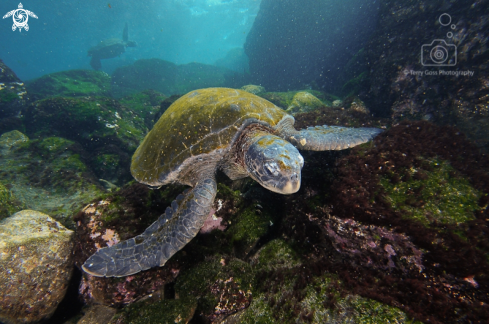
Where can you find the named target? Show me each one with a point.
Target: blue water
(179, 31)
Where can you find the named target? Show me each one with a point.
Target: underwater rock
(97, 314)
(50, 175)
(284, 99)
(147, 105)
(294, 43)
(144, 74)
(157, 309)
(254, 89)
(429, 186)
(304, 102)
(356, 104)
(166, 77)
(224, 286)
(337, 103)
(36, 263)
(13, 94)
(235, 60)
(12, 138)
(9, 204)
(164, 106)
(194, 76)
(109, 131)
(72, 83)
(401, 86)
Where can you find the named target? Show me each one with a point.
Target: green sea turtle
(203, 131)
(109, 48)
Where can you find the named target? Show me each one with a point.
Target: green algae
(282, 306)
(250, 225)
(276, 254)
(50, 176)
(163, 311)
(9, 204)
(6, 96)
(215, 275)
(73, 83)
(441, 195)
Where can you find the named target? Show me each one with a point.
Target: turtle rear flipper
(159, 242)
(95, 63)
(323, 138)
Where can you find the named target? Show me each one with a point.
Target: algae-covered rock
(274, 255)
(146, 104)
(160, 311)
(12, 138)
(235, 60)
(13, 95)
(97, 314)
(35, 266)
(304, 102)
(285, 99)
(109, 131)
(93, 122)
(73, 83)
(144, 74)
(433, 192)
(50, 175)
(9, 204)
(224, 286)
(313, 303)
(194, 76)
(254, 89)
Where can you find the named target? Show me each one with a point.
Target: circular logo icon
(439, 54)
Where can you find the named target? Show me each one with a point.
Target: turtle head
(275, 164)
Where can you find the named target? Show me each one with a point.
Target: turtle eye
(272, 168)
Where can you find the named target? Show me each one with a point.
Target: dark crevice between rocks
(71, 304)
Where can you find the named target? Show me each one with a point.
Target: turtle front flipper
(324, 138)
(170, 233)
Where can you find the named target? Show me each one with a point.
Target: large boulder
(110, 131)
(50, 175)
(35, 266)
(144, 74)
(72, 83)
(293, 43)
(304, 102)
(13, 96)
(235, 60)
(401, 85)
(168, 78)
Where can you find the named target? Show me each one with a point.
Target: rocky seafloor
(393, 231)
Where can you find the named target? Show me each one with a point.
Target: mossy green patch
(164, 311)
(7, 96)
(440, 195)
(285, 99)
(251, 224)
(208, 278)
(277, 254)
(8, 203)
(73, 83)
(283, 306)
(50, 176)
